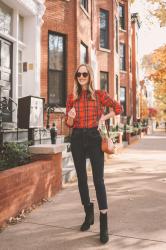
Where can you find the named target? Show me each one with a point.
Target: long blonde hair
(77, 87)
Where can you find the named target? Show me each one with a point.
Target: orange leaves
(160, 11)
(152, 112)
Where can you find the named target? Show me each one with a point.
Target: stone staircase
(68, 169)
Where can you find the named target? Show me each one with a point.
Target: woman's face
(83, 77)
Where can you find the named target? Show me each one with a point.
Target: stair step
(68, 175)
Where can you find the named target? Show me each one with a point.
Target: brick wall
(59, 17)
(125, 37)
(72, 20)
(23, 186)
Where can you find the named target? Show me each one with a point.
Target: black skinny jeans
(87, 142)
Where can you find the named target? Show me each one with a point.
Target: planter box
(22, 186)
(131, 138)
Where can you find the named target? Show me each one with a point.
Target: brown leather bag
(107, 145)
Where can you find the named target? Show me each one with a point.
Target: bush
(14, 154)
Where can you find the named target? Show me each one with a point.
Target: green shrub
(14, 154)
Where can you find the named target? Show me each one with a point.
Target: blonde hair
(77, 87)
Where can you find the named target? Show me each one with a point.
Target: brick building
(46, 40)
(95, 32)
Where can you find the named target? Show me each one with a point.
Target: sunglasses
(84, 74)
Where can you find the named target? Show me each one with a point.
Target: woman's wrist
(70, 121)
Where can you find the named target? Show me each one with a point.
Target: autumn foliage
(155, 69)
(152, 112)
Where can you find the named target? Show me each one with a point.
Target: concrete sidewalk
(136, 188)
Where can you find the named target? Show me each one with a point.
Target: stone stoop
(68, 169)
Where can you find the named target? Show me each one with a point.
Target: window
(5, 19)
(6, 55)
(104, 29)
(117, 33)
(122, 16)
(19, 73)
(21, 28)
(104, 81)
(122, 56)
(56, 70)
(117, 87)
(130, 60)
(84, 3)
(123, 99)
(83, 53)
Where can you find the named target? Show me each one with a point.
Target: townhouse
(44, 41)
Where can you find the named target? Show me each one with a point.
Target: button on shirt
(89, 111)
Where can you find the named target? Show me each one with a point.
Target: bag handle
(103, 130)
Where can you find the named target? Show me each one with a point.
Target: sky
(151, 35)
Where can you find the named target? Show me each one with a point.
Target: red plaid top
(89, 111)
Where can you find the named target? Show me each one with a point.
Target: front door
(6, 73)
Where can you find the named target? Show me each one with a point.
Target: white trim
(7, 37)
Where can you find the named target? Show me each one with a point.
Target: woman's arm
(69, 119)
(107, 101)
(108, 116)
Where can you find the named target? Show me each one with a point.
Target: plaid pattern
(88, 111)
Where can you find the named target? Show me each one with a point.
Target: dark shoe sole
(86, 228)
(104, 240)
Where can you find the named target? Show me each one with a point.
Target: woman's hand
(71, 116)
(72, 113)
(107, 116)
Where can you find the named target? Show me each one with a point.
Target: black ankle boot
(104, 237)
(89, 218)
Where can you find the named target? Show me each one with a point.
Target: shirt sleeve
(69, 105)
(107, 101)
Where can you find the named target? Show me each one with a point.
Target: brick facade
(80, 26)
(29, 184)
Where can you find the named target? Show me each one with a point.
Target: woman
(84, 112)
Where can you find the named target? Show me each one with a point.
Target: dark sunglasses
(84, 74)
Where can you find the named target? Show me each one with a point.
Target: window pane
(104, 29)
(56, 71)
(117, 33)
(122, 57)
(123, 99)
(117, 87)
(20, 56)
(103, 20)
(20, 73)
(21, 28)
(55, 52)
(19, 67)
(84, 3)
(5, 19)
(104, 81)
(55, 87)
(19, 91)
(5, 55)
(19, 79)
(122, 16)
(83, 53)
